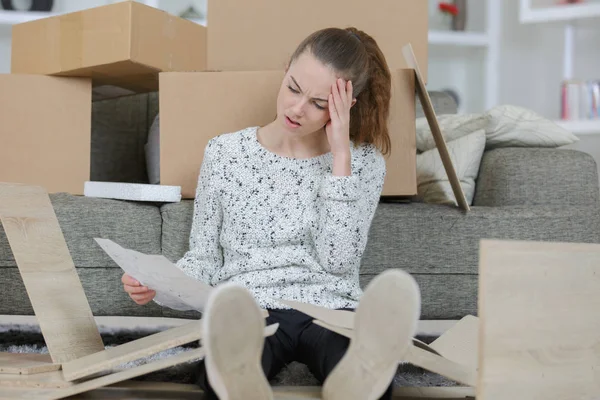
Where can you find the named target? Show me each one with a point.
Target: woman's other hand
(138, 293)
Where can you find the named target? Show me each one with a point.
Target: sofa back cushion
(535, 176)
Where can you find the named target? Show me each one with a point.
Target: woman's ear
(353, 102)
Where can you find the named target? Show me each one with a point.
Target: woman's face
(302, 106)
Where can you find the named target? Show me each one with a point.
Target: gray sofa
(522, 193)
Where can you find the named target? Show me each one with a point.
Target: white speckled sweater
(284, 228)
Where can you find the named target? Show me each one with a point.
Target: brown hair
(355, 56)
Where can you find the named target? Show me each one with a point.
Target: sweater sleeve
(345, 208)
(205, 255)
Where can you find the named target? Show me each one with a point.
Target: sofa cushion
(102, 287)
(177, 223)
(439, 245)
(119, 132)
(528, 176)
(130, 224)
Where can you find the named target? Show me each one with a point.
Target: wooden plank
(134, 350)
(423, 358)
(152, 344)
(130, 373)
(153, 324)
(349, 333)
(339, 318)
(404, 393)
(540, 331)
(447, 393)
(460, 343)
(48, 272)
(45, 385)
(47, 380)
(26, 363)
(442, 366)
(440, 143)
(163, 390)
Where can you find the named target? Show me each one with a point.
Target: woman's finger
(143, 298)
(333, 114)
(337, 97)
(128, 280)
(342, 90)
(349, 89)
(135, 289)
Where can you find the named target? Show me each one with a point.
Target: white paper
(174, 289)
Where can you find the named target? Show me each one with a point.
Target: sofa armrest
(529, 176)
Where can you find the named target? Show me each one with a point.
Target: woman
(284, 210)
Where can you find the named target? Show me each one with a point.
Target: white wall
(532, 60)
(531, 69)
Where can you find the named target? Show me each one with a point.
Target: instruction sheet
(174, 288)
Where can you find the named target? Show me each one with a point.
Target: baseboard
(107, 323)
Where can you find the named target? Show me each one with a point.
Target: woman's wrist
(342, 165)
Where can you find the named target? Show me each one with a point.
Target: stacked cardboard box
(212, 80)
(60, 64)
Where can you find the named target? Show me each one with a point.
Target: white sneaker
(233, 338)
(385, 323)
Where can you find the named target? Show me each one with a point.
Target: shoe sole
(234, 330)
(385, 323)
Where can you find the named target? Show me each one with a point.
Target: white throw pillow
(512, 126)
(505, 126)
(453, 126)
(432, 181)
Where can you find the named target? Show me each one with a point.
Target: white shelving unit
(487, 42)
(568, 14)
(581, 127)
(452, 38)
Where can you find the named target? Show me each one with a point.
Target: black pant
(297, 339)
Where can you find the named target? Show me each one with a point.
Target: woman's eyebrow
(299, 88)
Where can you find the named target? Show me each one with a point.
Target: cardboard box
(45, 129)
(195, 107)
(124, 45)
(262, 34)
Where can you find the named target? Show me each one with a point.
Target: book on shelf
(580, 100)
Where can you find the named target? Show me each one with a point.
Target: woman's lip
(292, 121)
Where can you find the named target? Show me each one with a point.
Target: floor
(147, 390)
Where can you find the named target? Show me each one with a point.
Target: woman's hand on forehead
(338, 128)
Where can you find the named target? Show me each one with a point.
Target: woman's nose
(299, 108)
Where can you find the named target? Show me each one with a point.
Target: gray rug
(25, 339)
